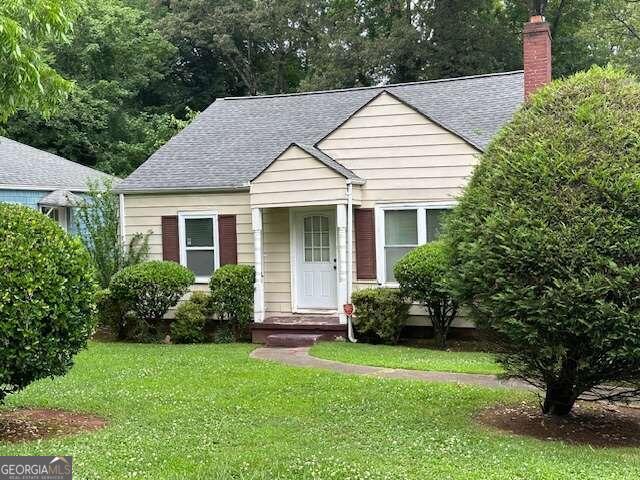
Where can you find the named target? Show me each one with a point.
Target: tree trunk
(562, 393)
(559, 399)
(440, 338)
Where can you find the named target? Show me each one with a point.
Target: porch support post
(258, 289)
(341, 231)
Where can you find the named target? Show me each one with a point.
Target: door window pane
(199, 232)
(316, 239)
(401, 227)
(435, 217)
(201, 262)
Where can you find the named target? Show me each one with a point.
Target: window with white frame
(401, 228)
(198, 233)
(57, 214)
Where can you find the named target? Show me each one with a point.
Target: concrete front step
(291, 340)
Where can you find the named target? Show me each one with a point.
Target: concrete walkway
(300, 357)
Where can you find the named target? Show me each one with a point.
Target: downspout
(122, 220)
(350, 334)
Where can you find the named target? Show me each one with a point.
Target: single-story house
(43, 181)
(322, 191)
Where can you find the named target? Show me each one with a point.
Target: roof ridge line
(375, 87)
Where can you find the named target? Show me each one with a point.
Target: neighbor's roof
(22, 166)
(234, 139)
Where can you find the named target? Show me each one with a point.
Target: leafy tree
(546, 240)
(116, 56)
(613, 34)
(567, 19)
(98, 220)
(28, 81)
(257, 41)
(471, 37)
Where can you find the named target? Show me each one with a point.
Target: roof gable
(234, 139)
(380, 100)
(318, 155)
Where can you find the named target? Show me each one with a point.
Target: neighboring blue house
(43, 181)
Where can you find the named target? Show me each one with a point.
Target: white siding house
(324, 191)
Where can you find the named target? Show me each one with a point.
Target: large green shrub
(149, 289)
(422, 275)
(188, 326)
(546, 239)
(380, 314)
(232, 295)
(47, 293)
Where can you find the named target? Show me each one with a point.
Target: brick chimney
(537, 54)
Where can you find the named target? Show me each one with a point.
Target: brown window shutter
(228, 239)
(365, 226)
(170, 243)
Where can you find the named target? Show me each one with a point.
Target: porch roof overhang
(303, 176)
(60, 198)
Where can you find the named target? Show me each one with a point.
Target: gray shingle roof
(234, 139)
(25, 166)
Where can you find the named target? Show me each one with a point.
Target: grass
(407, 357)
(210, 412)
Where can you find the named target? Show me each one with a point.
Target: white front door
(316, 275)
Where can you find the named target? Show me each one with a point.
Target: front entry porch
(302, 215)
(303, 270)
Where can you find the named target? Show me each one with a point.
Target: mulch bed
(596, 425)
(26, 424)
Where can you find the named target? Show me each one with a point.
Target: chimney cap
(537, 19)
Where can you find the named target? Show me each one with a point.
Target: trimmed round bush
(232, 295)
(47, 291)
(422, 274)
(149, 289)
(546, 239)
(188, 326)
(380, 314)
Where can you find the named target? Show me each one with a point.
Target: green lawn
(210, 412)
(407, 357)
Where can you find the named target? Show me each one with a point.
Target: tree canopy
(546, 240)
(141, 67)
(27, 81)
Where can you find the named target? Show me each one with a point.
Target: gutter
(122, 224)
(223, 189)
(350, 334)
(42, 188)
